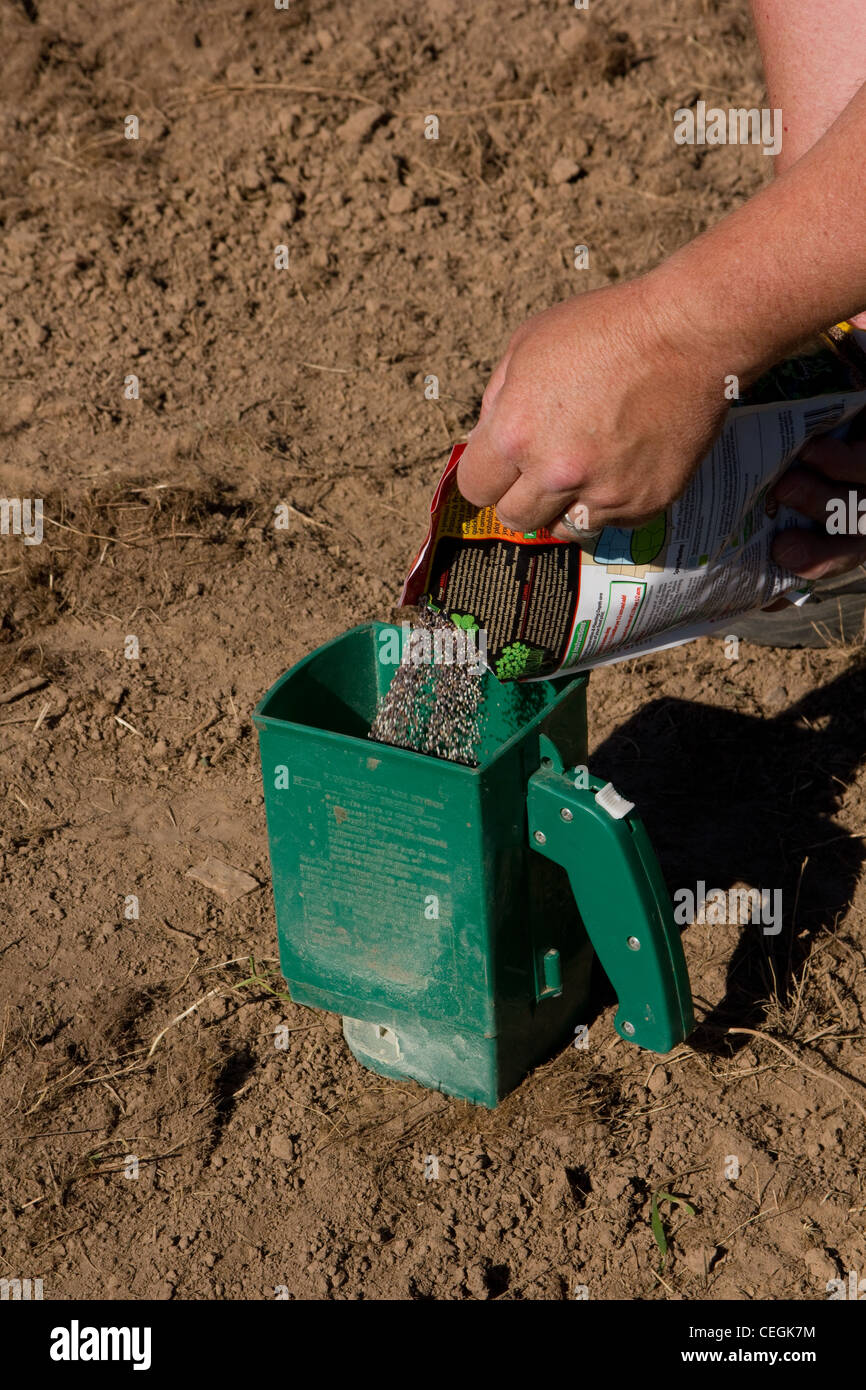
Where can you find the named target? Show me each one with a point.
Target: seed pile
(432, 706)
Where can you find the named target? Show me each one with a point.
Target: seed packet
(552, 607)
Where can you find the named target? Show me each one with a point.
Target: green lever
(621, 896)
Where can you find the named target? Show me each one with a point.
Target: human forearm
(611, 399)
(781, 267)
(814, 59)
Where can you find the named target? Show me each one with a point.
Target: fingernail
(790, 552)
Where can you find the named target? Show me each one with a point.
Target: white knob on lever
(609, 799)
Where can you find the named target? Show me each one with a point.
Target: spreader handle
(621, 896)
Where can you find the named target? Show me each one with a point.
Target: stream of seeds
(432, 706)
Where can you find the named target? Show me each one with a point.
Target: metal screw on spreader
(540, 838)
(633, 943)
(628, 1028)
(566, 814)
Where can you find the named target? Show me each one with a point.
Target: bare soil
(259, 1169)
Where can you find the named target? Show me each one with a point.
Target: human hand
(827, 470)
(605, 402)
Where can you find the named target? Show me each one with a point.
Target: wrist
(696, 317)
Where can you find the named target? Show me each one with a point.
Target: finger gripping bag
(551, 607)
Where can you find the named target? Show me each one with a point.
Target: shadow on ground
(731, 798)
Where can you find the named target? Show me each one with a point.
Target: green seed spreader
(450, 913)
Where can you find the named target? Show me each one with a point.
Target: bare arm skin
(814, 57)
(813, 68)
(612, 398)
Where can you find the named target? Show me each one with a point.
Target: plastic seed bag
(551, 607)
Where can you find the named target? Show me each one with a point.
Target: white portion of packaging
(714, 560)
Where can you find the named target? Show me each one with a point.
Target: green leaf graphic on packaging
(464, 620)
(518, 659)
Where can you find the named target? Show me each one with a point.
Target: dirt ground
(266, 1172)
